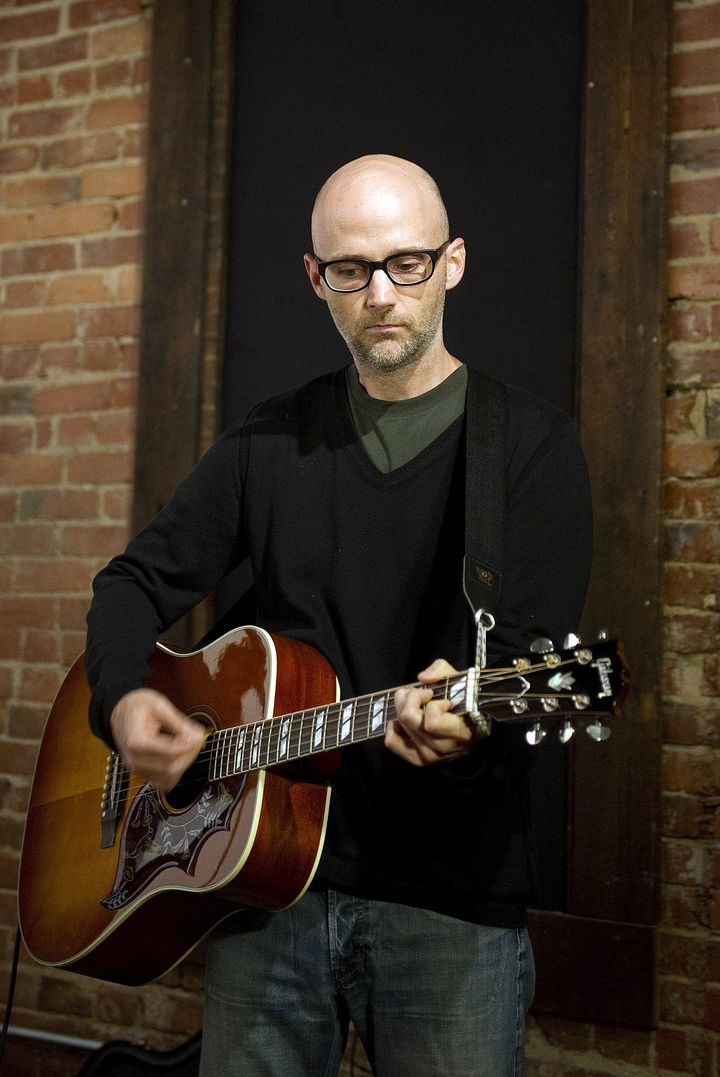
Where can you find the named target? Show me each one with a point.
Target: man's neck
(412, 380)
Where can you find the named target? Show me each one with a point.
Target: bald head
(385, 211)
(377, 188)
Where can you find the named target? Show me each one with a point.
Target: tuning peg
(566, 732)
(597, 731)
(602, 635)
(542, 645)
(570, 641)
(535, 736)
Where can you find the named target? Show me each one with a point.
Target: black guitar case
(118, 1058)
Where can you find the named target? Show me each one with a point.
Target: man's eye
(406, 265)
(347, 270)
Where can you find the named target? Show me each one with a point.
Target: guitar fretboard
(287, 737)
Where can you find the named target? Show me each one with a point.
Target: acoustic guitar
(120, 882)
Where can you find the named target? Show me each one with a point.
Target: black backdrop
(486, 96)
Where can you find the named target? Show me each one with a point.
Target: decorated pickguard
(155, 838)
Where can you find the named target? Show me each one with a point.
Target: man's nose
(381, 290)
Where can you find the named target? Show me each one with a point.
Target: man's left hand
(426, 730)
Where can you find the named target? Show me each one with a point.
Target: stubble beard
(387, 356)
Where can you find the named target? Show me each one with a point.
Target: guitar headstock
(580, 682)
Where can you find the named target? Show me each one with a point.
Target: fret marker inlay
(240, 746)
(318, 728)
(284, 737)
(346, 722)
(255, 749)
(378, 713)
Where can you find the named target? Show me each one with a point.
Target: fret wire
(292, 737)
(221, 754)
(228, 753)
(320, 729)
(211, 744)
(245, 749)
(263, 748)
(256, 744)
(273, 732)
(377, 714)
(218, 746)
(317, 729)
(306, 732)
(231, 751)
(338, 723)
(218, 740)
(273, 736)
(303, 739)
(319, 715)
(283, 738)
(359, 726)
(375, 704)
(299, 733)
(297, 727)
(346, 724)
(331, 726)
(243, 759)
(295, 732)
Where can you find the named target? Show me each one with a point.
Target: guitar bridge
(113, 799)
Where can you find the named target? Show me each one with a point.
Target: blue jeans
(429, 995)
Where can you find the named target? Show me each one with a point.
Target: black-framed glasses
(404, 269)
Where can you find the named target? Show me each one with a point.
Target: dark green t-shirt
(393, 432)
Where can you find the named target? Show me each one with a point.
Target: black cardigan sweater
(367, 567)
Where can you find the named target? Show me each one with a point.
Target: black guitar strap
(485, 426)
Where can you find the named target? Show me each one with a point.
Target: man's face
(385, 326)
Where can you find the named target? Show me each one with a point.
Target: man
(348, 497)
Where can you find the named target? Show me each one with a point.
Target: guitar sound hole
(190, 786)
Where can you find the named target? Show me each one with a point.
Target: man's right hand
(155, 739)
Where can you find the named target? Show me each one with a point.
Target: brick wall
(73, 84)
(689, 963)
(688, 974)
(73, 101)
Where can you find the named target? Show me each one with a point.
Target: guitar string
(334, 710)
(362, 708)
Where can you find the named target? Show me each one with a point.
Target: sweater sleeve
(186, 550)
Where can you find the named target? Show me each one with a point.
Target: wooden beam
(597, 962)
(174, 262)
(615, 795)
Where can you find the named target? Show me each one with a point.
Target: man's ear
(315, 278)
(455, 255)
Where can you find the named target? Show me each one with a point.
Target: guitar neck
(289, 737)
(539, 689)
